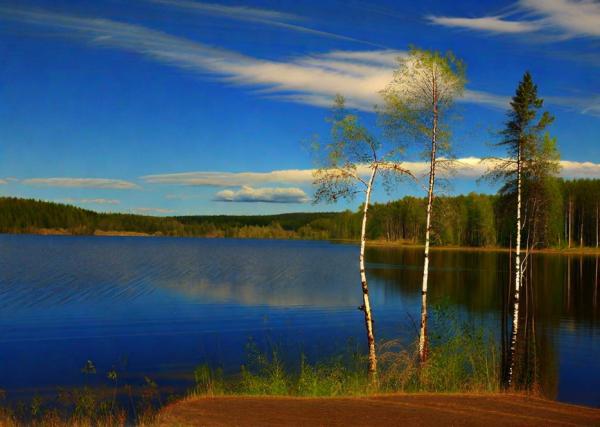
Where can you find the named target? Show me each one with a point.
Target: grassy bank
(463, 358)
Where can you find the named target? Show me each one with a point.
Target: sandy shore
(389, 410)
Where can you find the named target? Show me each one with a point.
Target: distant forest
(571, 218)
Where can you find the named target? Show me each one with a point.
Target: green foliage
(209, 382)
(464, 357)
(425, 84)
(352, 146)
(264, 374)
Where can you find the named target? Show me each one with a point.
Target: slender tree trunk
(366, 307)
(517, 284)
(423, 341)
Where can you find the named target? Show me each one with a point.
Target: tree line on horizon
(472, 220)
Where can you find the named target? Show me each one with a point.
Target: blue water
(158, 307)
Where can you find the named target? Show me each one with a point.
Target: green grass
(462, 359)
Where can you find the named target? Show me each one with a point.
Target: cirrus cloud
(266, 17)
(310, 79)
(572, 18)
(562, 19)
(230, 179)
(494, 24)
(242, 13)
(103, 183)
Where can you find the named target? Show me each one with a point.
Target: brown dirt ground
(389, 410)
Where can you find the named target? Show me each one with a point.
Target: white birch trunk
(515, 326)
(366, 307)
(423, 341)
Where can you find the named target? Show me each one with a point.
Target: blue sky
(186, 107)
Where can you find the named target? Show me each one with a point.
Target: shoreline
(372, 243)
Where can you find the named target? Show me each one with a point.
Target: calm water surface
(161, 306)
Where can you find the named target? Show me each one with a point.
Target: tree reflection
(560, 296)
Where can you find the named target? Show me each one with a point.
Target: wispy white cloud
(313, 79)
(99, 201)
(116, 184)
(153, 211)
(231, 179)
(267, 17)
(234, 12)
(3, 181)
(494, 24)
(584, 104)
(486, 98)
(249, 194)
(572, 18)
(561, 19)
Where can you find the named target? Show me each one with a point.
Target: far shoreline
(581, 251)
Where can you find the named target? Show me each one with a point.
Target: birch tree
(350, 165)
(418, 103)
(522, 139)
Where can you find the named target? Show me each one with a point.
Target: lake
(159, 307)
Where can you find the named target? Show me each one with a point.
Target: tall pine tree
(529, 151)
